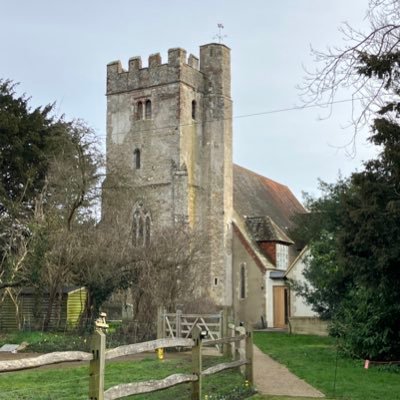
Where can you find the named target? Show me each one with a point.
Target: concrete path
(273, 378)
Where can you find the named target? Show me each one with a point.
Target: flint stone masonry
(185, 174)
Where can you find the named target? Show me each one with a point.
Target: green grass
(260, 397)
(313, 359)
(46, 342)
(72, 383)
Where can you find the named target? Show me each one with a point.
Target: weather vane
(220, 36)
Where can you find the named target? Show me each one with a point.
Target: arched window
(148, 109)
(136, 159)
(148, 231)
(140, 239)
(141, 225)
(194, 109)
(135, 227)
(243, 281)
(139, 110)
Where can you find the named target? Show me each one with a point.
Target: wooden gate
(178, 325)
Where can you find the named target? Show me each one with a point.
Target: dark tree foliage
(353, 231)
(368, 245)
(354, 238)
(27, 138)
(319, 229)
(49, 173)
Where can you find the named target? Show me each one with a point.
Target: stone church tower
(169, 151)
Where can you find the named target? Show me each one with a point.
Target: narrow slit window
(148, 109)
(242, 281)
(194, 109)
(136, 159)
(139, 110)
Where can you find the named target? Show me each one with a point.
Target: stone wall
(308, 326)
(185, 173)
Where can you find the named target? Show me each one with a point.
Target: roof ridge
(261, 176)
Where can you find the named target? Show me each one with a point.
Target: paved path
(273, 378)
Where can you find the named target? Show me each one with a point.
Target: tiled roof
(255, 196)
(264, 229)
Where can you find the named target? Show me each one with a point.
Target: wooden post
(226, 332)
(160, 317)
(96, 366)
(239, 346)
(249, 354)
(196, 363)
(164, 324)
(178, 321)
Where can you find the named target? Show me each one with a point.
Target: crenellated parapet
(179, 68)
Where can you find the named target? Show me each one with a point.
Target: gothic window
(243, 281)
(194, 109)
(140, 235)
(148, 109)
(147, 230)
(282, 256)
(139, 110)
(136, 159)
(135, 227)
(141, 226)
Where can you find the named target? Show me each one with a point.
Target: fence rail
(45, 359)
(242, 354)
(147, 346)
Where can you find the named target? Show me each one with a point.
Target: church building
(169, 133)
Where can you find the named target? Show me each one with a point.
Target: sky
(58, 51)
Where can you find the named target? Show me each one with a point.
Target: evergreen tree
(354, 230)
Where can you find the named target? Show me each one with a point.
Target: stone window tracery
(147, 230)
(141, 226)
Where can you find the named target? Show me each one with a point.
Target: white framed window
(282, 256)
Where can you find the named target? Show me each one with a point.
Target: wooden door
(280, 307)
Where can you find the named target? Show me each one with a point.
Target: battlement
(176, 58)
(179, 68)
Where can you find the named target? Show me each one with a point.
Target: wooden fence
(238, 344)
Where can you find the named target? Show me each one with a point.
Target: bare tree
(116, 270)
(344, 67)
(169, 272)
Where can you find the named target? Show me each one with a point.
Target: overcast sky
(58, 51)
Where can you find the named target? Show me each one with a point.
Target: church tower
(169, 152)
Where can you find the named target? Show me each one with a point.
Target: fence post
(196, 363)
(160, 318)
(164, 323)
(96, 366)
(178, 323)
(239, 346)
(249, 354)
(225, 332)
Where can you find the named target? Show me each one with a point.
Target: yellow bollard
(160, 353)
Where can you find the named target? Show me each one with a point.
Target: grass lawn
(314, 359)
(72, 383)
(260, 397)
(46, 342)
